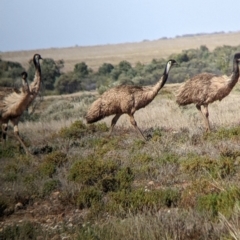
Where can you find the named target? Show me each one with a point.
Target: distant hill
(144, 52)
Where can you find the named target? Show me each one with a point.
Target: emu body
(126, 99)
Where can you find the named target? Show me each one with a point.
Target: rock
(56, 237)
(18, 206)
(151, 183)
(40, 238)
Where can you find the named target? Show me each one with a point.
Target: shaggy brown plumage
(13, 103)
(206, 88)
(125, 99)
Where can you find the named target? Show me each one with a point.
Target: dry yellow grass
(163, 111)
(143, 52)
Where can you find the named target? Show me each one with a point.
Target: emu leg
(16, 134)
(204, 112)
(134, 123)
(114, 121)
(4, 131)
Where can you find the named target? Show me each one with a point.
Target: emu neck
(35, 85)
(157, 87)
(235, 74)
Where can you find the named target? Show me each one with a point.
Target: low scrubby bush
(222, 202)
(217, 168)
(51, 162)
(78, 130)
(50, 186)
(138, 200)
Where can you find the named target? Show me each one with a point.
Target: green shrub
(216, 167)
(157, 134)
(168, 157)
(229, 153)
(88, 197)
(26, 230)
(88, 233)
(198, 187)
(137, 145)
(31, 183)
(99, 127)
(232, 133)
(7, 150)
(50, 186)
(103, 145)
(47, 168)
(142, 158)
(139, 200)
(98, 178)
(78, 129)
(125, 177)
(58, 158)
(44, 149)
(222, 202)
(89, 171)
(11, 172)
(51, 162)
(109, 184)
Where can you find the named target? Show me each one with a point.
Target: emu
(126, 99)
(13, 103)
(206, 88)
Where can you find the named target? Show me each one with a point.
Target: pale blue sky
(31, 24)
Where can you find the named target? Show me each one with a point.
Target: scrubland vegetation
(81, 183)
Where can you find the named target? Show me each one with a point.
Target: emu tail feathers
(94, 113)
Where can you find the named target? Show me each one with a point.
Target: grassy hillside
(82, 184)
(143, 52)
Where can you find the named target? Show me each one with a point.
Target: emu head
(237, 57)
(170, 63)
(36, 58)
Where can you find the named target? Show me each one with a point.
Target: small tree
(67, 83)
(10, 69)
(105, 69)
(81, 69)
(124, 66)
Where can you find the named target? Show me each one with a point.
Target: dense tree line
(191, 62)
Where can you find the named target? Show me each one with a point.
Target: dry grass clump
(232, 224)
(66, 108)
(169, 224)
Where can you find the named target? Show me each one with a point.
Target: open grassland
(144, 52)
(82, 184)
